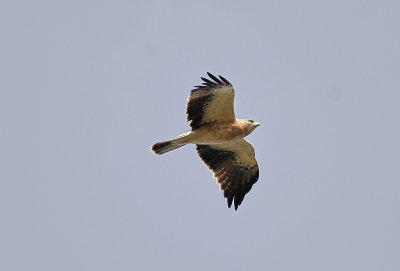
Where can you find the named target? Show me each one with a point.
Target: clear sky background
(87, 86)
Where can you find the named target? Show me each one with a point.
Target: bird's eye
(251, 121)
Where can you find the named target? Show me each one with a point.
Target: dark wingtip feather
(213, 77)
(230, 200)
(238, 200)
(225, 81)
(236, 205)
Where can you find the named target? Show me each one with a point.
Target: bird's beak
(257, 124)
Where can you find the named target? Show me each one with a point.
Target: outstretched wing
(234, 166)
(212, 102)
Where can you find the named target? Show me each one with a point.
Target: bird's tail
(169, 145)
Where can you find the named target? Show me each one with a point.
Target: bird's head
(248, 125)
(254, 123)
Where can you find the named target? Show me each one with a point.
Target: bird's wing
(211, 102)
(234, 166)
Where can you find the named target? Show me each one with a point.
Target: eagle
(219, 138)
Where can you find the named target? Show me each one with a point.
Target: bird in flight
(219, 138)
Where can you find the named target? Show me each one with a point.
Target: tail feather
(165, 146)
(168, 145)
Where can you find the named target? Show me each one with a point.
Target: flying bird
(219, 138)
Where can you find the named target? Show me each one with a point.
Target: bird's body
(216, 133)
(219, 138)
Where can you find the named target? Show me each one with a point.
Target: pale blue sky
(88, 86)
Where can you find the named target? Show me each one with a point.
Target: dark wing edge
(201, 96)
(235, 178)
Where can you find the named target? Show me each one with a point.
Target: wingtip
(220, 80)
(224, 80)
(238, 200)
(235, 203)
(213, 77)
(230, 200)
